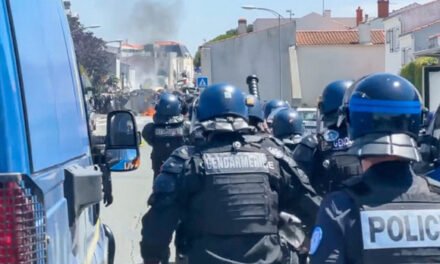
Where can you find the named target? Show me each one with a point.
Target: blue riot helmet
(428, 118)
(221, 101)
(331, 100)
(287, 122)
(343, 108)
(168, 109)
(384, 116)
(272, 105)
(255, 107)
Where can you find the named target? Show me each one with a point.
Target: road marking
(94, 243)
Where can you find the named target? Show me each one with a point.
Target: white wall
(257, 53)
(393, 59)
(312, 21)
(420, 16)
(406, 49)
(320, 65)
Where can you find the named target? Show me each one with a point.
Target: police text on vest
(400, 229)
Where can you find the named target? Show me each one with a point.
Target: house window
(388, 36)
(433, 42)
(406, 56)
(392, 38)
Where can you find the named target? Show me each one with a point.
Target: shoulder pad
(277, 141)
(303, 153)
(184, 152)
(164, 183)
(352, 181)
(276, 152)
(279, 154)
(310, 141)
(148, 131)
(434, 185)
(253, 138)
(173, 165)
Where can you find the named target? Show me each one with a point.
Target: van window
(53, 102)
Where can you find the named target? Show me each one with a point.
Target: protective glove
(107, 186)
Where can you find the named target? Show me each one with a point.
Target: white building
(407, 32)
(315, 50)
(320, 57)
(158, 65)
(261, 52)
(312, 21)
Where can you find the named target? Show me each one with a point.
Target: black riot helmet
(331, 100)
(168, 109)
(287, 122)
(272, 105)
(384, 115)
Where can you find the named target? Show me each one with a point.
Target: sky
(192, 22)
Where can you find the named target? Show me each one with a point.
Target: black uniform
(322, 158)
(292, 142)
(384, 218)
(164, 139)
(228, 195)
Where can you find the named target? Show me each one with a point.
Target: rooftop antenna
(323, 6)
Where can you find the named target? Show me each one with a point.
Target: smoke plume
(144, 21)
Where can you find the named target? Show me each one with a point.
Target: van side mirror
(122, 148)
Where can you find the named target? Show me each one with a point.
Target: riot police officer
(226, 193)
(256, 113)
(288, 126)
(389, 215)
(167, 132)
(319, 156)
(271, 107)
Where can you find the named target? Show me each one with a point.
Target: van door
(56, 122)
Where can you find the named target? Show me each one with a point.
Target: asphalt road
(130, 191)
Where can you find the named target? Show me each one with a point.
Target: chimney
(242, 26)
(383, 8)
(364, 31)
(359, 15)
(327, 13)
(366, 18)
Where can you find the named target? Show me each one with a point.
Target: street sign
(202, 82)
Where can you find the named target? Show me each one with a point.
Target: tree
(90, 52)
(227, 35)
(413, 71)
(198, 59)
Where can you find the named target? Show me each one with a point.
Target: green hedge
(413, 71)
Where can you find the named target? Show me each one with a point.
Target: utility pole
(289, 11)
(279, 40)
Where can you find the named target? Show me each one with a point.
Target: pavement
(130, 192)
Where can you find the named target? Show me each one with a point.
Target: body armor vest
(336, 166)
(404, 230)
(167, 138)
(236, 197)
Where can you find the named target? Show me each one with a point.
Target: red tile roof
(342, 37)
(166, 43)
(127, 46)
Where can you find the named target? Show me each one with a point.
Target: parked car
(309, 119)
